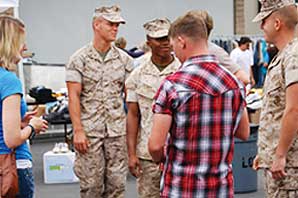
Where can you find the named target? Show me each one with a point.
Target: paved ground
(72, 190)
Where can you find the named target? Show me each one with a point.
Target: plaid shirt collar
(199, 59)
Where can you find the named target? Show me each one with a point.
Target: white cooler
(58, 167)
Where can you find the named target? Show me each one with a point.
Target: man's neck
(197, 51)
(284, 39)
(101, 45)
(162, 61)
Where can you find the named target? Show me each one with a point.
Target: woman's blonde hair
(12, 38)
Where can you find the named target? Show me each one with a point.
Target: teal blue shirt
(10, 85)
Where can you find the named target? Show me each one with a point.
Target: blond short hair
(190, 25)
(12, 37)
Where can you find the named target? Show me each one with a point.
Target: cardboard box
(58, 168)
(254, 116)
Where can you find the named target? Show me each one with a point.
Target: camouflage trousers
(103, 169)
(284, 188)
(149, 182)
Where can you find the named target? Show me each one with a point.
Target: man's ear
(148, 43)
(96, 24)
(277, 24)
(181, 42)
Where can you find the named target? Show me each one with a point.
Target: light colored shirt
(223, 57)
(243, 58)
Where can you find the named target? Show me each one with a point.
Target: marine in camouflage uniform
(95, 82)
(141, 87)
(276, 153)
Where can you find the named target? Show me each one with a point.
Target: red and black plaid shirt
(206, 103)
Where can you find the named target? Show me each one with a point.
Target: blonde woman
(15, 125)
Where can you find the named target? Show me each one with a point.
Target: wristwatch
(32, 134)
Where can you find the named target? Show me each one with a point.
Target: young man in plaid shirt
(202, 106)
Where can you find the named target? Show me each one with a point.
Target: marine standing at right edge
(277, 141)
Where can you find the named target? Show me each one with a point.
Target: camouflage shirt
(282, 72)
(141, 87)
(102, 88)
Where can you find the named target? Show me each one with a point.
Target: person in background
(222, 56)
(95, 78)
(201, 107)
(121, 43)
(146, 54)
(261, 60)
(272, 52)
(16, 127)
(244, 57)
(136, 52)
(141, 87)
(277, 135)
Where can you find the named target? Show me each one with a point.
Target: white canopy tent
(4, 5)
(9, 3)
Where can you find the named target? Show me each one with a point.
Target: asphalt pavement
(42, 190)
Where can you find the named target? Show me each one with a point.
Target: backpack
(41, 94)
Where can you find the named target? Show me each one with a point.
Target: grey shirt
(223, 57)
